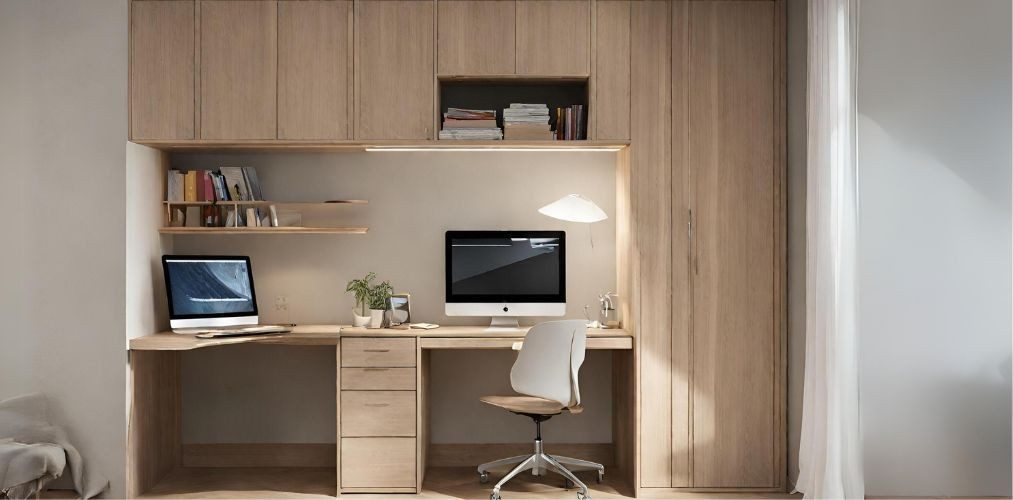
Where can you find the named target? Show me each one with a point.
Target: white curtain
(830, 455)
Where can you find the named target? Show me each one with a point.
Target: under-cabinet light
(579, 149)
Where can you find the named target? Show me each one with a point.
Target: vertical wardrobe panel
(239, 69)
(553, 37)
(394, 69)
(682, 284)
(475, 37)
(611, 115)
(732, 112)
(314, 69)
(162, 70)
(650, 157)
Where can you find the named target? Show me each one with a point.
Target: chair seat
(528, 405)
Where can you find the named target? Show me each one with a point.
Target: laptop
(212, 296)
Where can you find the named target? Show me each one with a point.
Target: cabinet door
(394, 69)
(314, 69)
(611, 117)
(554, 37)
(239, 69)
(735, 133)
(475, 37)
(162, 70)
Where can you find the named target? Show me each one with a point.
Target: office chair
(546, 374)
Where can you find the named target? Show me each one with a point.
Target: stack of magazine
(526, 122)
(473, 124)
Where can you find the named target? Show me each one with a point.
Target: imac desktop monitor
(505, 274)
(209, 291)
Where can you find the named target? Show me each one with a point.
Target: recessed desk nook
(319, 142)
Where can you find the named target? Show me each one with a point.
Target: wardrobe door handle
(378, 405)
(376, 369)
(377, 350)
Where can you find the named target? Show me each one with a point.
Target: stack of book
(226, 184)
(570, 123)
(473, 124)
(526, 122)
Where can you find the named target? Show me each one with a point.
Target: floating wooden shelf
(263, 203)
(183, 146)
(263, 230)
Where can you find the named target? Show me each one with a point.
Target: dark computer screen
(209, 286)
(519, 266)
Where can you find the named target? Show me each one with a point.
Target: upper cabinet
(475, 37)
(394, 69)
(162, 70)
(611, 117)
(314, 69)
(238, 69)
(553, 37)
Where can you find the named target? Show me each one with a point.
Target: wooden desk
(398, 372)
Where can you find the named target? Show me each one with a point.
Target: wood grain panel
(258, 455)
(650, 157)
(162, 70)
(238, 69)
(553, 37)
(394, 69)
(732, 112)
(377, 352)
(377, 463)
(682, 284)
(378, 379)
(475, 37)
(314, 69)
(612, 69)
(378, 413)
(155, 426)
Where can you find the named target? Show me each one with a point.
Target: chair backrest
(549, 360)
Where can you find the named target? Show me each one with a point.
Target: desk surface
(444, 337)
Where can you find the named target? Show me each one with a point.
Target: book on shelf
(235, 183)
(527, 121)
(226, 184)
(570, 123)
(470, 124)
(190, 186)
(174, 186)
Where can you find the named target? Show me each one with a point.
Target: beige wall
(63, 94)
(413, 199)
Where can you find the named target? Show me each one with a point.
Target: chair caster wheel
(483, 477)
(495, 496)
(583, 496)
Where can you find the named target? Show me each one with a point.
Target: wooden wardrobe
(707, 167)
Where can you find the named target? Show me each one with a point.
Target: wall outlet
(281, 303)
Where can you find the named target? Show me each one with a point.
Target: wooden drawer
(369, 463)
(377, 413)
(370, 352)
(378, 379)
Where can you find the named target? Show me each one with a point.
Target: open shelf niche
(498, 93)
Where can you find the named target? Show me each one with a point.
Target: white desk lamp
(575, 208)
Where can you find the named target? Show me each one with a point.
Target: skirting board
(259, 455)
(471, 455)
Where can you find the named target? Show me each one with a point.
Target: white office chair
(546, 373)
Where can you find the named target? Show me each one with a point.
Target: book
(190, 186)
(209, 188)
(174, 186)
(235, 183)
(458, 123)
(470, 114)
(251, 217)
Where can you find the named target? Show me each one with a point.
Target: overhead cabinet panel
(314, 69)
(239, 69)
(475, 37)
(612, 70)
(554, 37)
(162, 70)
(394, 69)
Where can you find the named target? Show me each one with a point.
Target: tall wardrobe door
(733, 105)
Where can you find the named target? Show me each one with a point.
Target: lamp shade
(574, 208)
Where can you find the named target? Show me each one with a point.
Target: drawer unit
(377, 413)
(377, 352)
(377, 464)
(378, 379)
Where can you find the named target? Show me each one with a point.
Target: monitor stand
(503, 323)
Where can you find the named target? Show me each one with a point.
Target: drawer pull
(375, 369)
(376, 350)
(378, 405)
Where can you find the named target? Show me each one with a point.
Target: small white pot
(376, 318)
(359, 320)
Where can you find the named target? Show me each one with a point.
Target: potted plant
(378, 297)
(360, 288)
